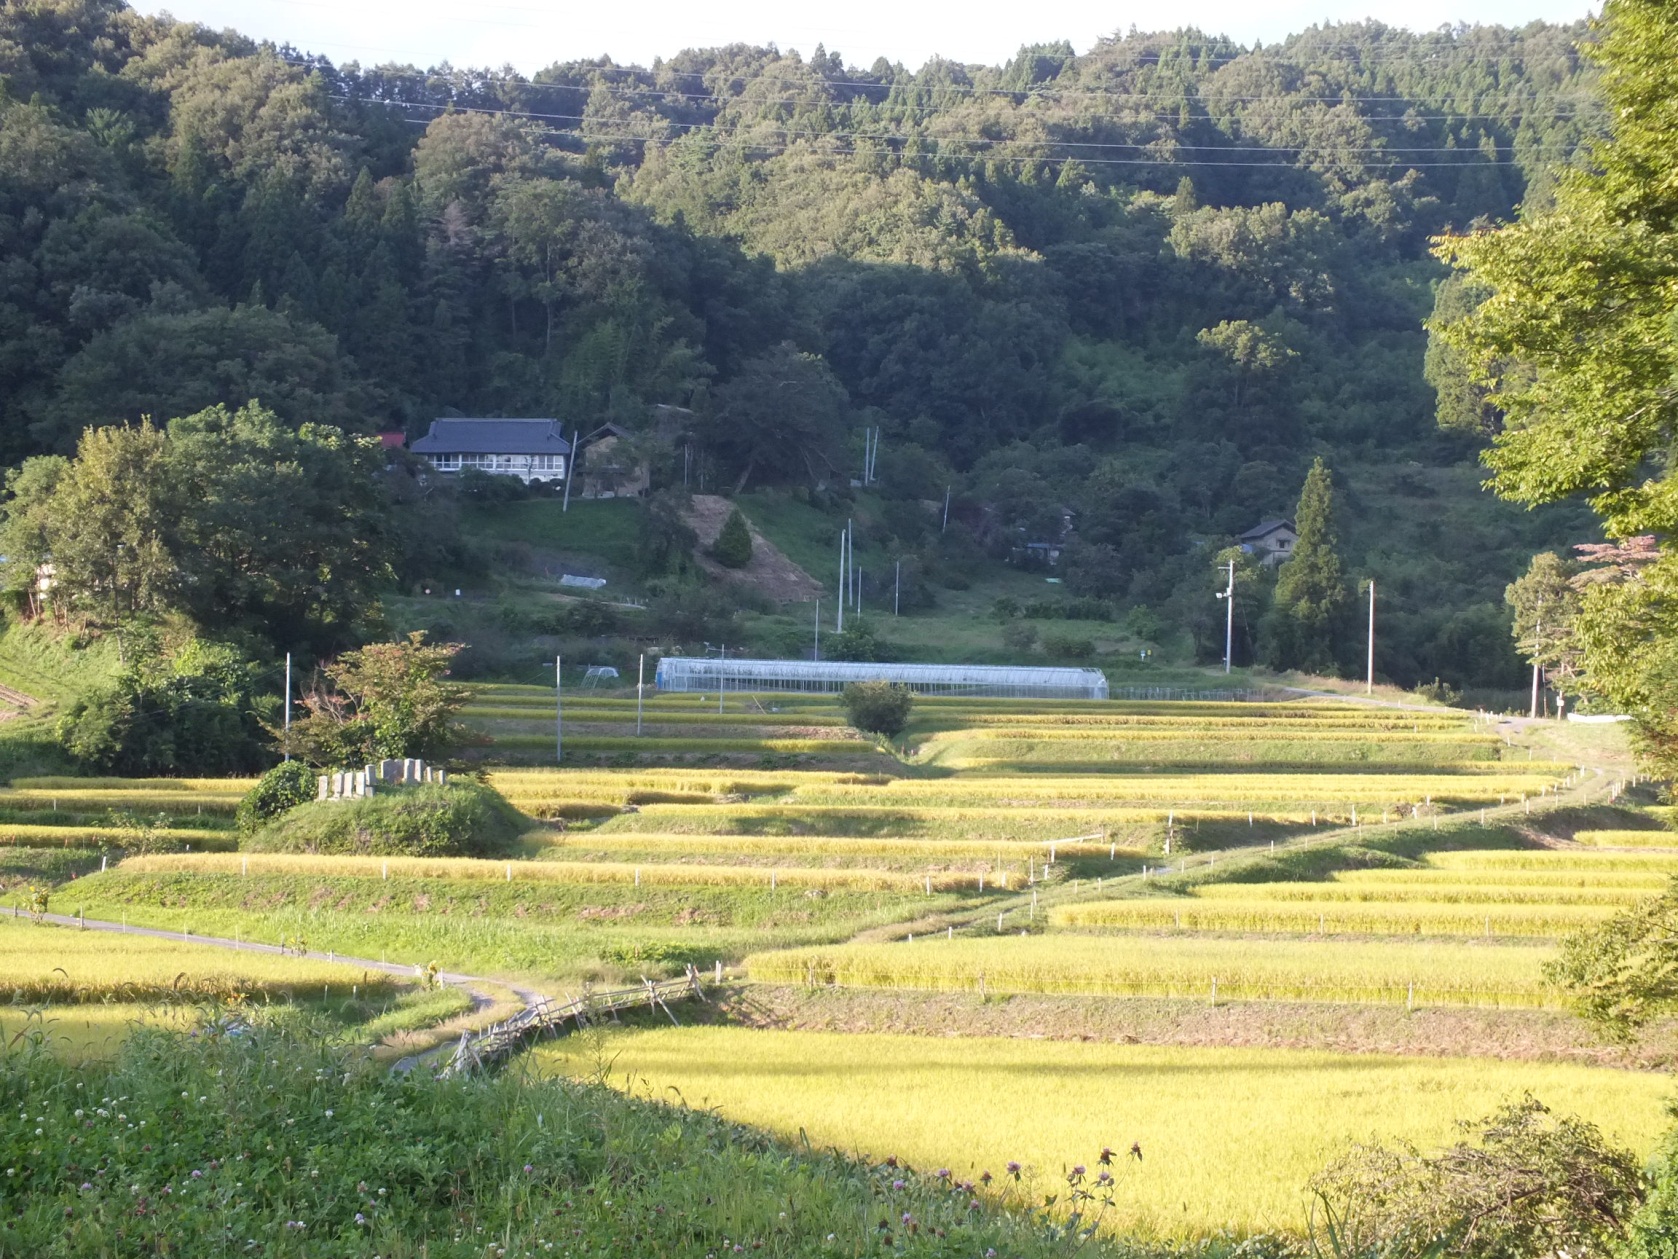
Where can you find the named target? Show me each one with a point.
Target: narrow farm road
(475, 986)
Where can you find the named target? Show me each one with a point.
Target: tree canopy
(1572, 344)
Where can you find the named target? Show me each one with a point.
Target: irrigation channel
(477, 1049)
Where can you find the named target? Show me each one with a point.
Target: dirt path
(475, 986)
(769, 571)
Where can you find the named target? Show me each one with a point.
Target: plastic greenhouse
(689, 673)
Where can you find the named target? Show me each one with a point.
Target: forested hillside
(1145, 285)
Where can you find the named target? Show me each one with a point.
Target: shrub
(1068, 646)
(460, 819)
(857, 641)
(1529, 1184)
(733, 547)
(281, 789)
(878, 707)
(189, 714)
(1019, 637)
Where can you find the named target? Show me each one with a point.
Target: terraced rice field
(42, 964)
(1201, 969)
(1494, 893)
(1229, 1137)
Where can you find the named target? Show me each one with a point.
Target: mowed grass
(541, 930)
(1229, 1137)
(41, 963)
(1388, 973)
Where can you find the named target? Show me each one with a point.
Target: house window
(446, 463)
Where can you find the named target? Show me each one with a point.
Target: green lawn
(607, 528)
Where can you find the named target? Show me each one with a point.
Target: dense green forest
(1139, 288)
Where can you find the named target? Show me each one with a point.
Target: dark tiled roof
(493, 437)
(1268, 527)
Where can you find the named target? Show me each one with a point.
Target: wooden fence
(483, 1050)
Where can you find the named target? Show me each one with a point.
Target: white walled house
(532, 450)
(1273, 541)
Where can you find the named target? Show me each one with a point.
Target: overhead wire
(792, 134)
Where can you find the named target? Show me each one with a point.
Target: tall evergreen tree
(1306, 616)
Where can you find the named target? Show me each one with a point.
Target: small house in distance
(1273, 541)
(532, 450)
(610, 466)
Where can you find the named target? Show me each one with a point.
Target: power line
(1585, 101)
(1466, 156)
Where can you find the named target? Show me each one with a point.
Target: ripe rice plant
(917, 854)
(1228, 1135)
(542, 871)
(71, 835)
(651, 746)
(1399, 890)
(1554, 860)
(45, 964)
(1628, 839)
(148, 800)
(212, 786)
(1645, 881)
(1193, 913)
(1397, 973)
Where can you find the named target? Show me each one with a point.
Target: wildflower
(1077, 1169)
(86, 1187)
(985, 1178)
(78, 1113)
(360, 1218)
(528, 1169)
(1013, 1169)
(898, 1184)
(1106, 1156)
(1106, 1178)
(943, 1173)
(973, 1205)
(329, 1114)
(197, 1175)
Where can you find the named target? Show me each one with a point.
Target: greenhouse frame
(690, 673)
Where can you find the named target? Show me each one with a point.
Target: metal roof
(493, 437)
(1268, 527)
(691, 673)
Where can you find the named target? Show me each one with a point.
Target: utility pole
(640, 690)
(857, 574)
(1228, 596)
(559, 711)
(1369, 685)
(896, 587)
(1537, 637)
(946, 523)
(816, 651)
(844, 582)
(570, 467)
(288, 704)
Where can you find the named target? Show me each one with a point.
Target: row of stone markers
(358, 784)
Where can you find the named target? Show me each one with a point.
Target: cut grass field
(1229, 1137)
(1388, 973)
